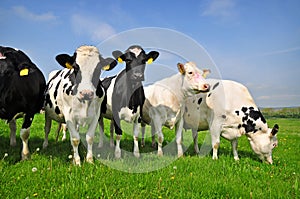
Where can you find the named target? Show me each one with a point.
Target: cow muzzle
(203, 88)
(86, 95)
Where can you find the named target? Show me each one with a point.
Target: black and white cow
(228, 110)
(22, 86)
(125, 94)
(74, 95)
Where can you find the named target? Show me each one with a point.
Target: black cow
(125, 95)
(22, 86)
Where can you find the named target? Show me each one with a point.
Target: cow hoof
(180, 155)
(215, 157)
(45, 144)
(13, 143)
(25, 156)
(117, 154)
(236, 158)
(154, 145)
(76, 161)
(100, 145)
(90, 160)
(160, 153)
(137, 154)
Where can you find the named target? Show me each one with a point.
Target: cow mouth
(205, 89)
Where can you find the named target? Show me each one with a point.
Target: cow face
(85, 67)
(135, 59)
(262, 143)
(194, 78)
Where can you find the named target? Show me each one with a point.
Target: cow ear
(181, 68)
(65, 60)
(152, 56)
(108, 64)
(275, 130)
(205, 72)
(118, 55)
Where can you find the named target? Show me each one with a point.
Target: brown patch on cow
(217, 145)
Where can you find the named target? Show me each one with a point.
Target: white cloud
(288, 50)
(96, 30)
(219, 8)
(26, 14)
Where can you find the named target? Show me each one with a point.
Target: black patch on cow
(249, 126)
(57, 111)
(186, 109)
(239, 126)
(256, 115)
(189, 115)
(194, 101)
(56, 89)
(209, 94)
(67, 74)
(198, 108)
(237, 113)
(48, 100)
(244, 109)
(251, 108)
(216, 85)
(224, 116)
(199, 100)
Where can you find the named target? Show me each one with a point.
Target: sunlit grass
(51, 174)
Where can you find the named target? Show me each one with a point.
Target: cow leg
(153, 138)
(64, 129)
(101, 132)
(136, 130)
(215, 141)
(47, 128)
(24, 134)
(90, 135)
(57, 131)
(195, 137)
(75, 140)
(13, 129)
(112, 144)
(234, 144)
(118, 130)
(143, 125)
(178, 127)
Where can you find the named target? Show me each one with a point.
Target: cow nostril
(206, 86)
(86, 95)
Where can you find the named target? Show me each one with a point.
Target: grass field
(50, 173)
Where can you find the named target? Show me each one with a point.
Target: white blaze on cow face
(194, 78)
(87, 59)
(263, 143)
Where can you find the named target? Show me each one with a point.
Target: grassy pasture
(50, 173)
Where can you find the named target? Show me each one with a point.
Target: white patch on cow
(127, 115)
(136, 51)
(2, 56)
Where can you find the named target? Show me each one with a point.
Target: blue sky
(254, 42)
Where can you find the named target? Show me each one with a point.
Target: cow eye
(190, 73)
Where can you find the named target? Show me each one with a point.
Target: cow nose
(206, 87)
(86, 95)
(138, 75)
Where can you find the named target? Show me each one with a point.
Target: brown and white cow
(165, 99)
(228, 110)
(74, 95)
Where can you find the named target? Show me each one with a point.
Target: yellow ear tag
(150, 60)
(24, 72)
(204, 75)
(120, 60)
(106, 67)
(68, 65)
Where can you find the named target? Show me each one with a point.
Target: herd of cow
(76, 96)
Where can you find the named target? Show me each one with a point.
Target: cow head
(193, 78)
(135, 58)
(263, 142)
(13, 61)
(85, 67)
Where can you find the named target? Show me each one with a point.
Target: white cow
(74, 95)
(165, 101)
(228, 110)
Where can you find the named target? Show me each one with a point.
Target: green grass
(187, 177)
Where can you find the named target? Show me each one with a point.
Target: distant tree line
(293, 112)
